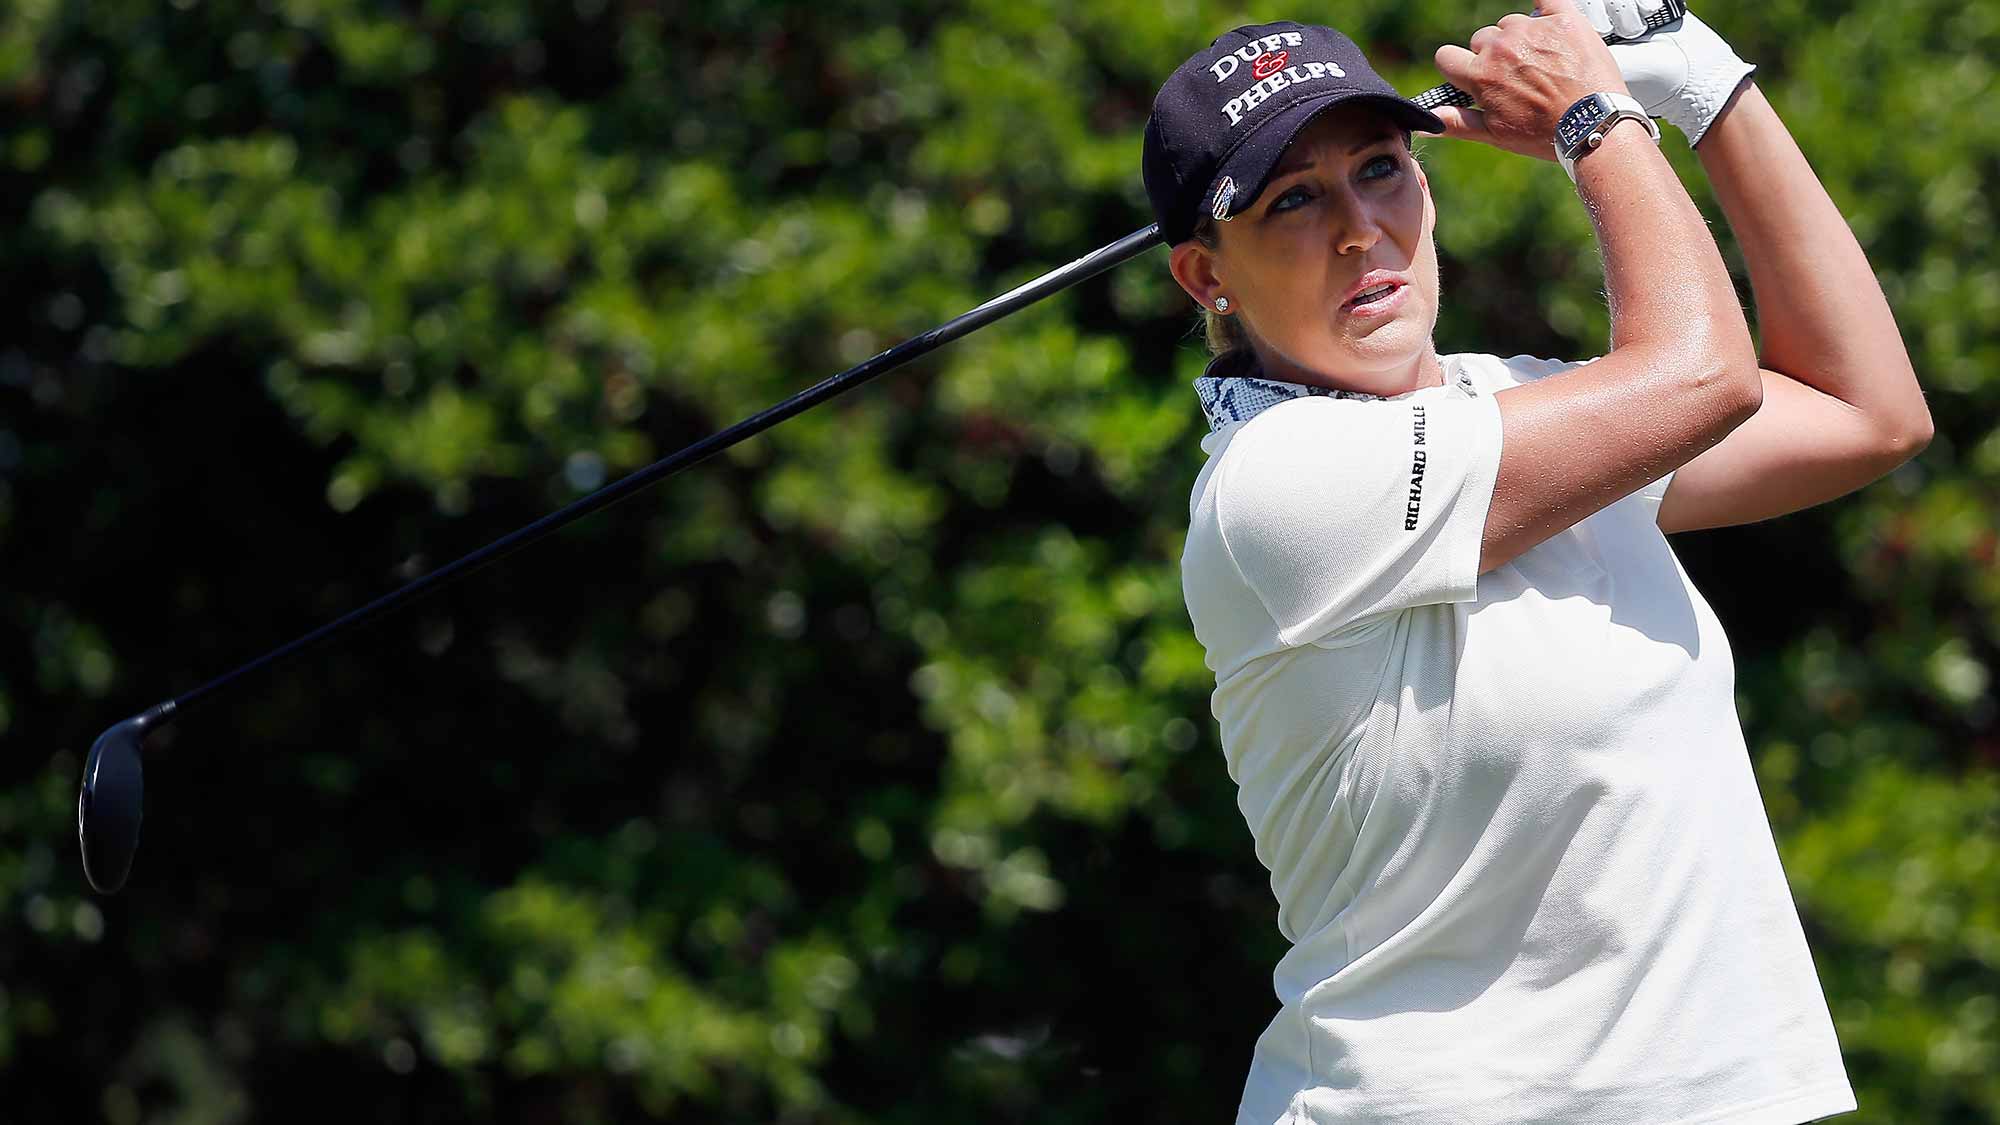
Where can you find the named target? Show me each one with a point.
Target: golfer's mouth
(1377, 293)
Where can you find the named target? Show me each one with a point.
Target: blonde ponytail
(1222, 333)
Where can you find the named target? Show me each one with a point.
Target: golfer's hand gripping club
(1668, 13)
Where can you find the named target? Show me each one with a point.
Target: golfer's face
(1333, 267)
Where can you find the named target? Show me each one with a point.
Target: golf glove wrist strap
(1683, 72)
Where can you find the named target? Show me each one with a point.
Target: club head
(110, 804)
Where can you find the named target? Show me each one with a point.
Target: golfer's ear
(1194, 266)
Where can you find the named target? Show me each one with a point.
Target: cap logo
(1225, 66)
(1273, 73)
(1225, 194)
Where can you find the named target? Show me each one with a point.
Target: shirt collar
(1233, 389)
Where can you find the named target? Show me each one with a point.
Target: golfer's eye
(1290, 200)
(1380, 167)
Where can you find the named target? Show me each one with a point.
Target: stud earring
(1222, 304)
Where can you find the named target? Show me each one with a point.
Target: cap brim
(1251, 164)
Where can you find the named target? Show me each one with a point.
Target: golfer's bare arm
(1681, 373)
(1841, 403)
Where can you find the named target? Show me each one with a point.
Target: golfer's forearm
(1679, 377)
(1821, 316)
(1673, 309)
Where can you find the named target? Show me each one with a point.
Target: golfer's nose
(1356, 227)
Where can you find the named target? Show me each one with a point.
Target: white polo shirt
(1510, 819)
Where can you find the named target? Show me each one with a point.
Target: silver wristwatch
(1584, 124)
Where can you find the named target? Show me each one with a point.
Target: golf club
(109, 806)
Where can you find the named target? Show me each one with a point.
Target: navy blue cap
(1224, 118)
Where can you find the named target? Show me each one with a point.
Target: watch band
(1583, 125)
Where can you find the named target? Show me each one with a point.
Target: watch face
(1579, 122)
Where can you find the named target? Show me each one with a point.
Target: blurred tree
(866, 773)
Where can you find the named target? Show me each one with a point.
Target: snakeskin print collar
(1234, 389)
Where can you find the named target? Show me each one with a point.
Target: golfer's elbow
(1903, 418)
(1901, 434)
(1722, 374)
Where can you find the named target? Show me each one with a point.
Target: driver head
(109, 806)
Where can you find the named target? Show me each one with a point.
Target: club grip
(1447, 94)
(1442, 94)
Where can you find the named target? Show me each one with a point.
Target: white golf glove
(1684, 72)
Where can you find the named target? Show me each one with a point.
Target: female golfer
(1483, 726)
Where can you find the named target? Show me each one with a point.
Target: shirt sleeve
(1654, 493)
(1334, 510)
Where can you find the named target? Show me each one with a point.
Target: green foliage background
(864, 774)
